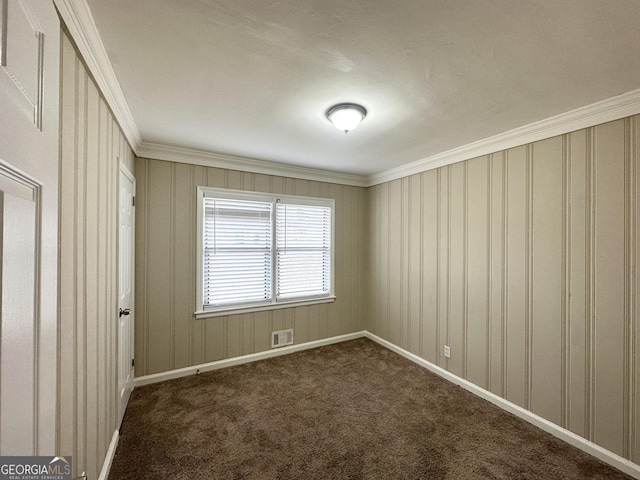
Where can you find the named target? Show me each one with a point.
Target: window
(258, 251)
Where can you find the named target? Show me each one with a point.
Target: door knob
(125, 311)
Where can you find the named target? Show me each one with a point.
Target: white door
(126, 287)
(29, 79)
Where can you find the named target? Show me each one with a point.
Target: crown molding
(615, 108)
(82, 28)
(230, 162)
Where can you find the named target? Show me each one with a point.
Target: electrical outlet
(447, 351)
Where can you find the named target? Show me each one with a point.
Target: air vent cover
(282, 338)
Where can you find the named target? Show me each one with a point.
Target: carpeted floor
(354, 410)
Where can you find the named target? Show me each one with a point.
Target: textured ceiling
(253, 78)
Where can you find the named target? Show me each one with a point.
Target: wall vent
(282, 338)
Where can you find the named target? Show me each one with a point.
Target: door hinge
(133, 362)
(133, 201)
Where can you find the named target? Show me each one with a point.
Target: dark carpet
(354, 410)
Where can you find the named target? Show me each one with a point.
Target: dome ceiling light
(346, 116)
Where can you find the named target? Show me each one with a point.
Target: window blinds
(237, 251)
(303, 250)
(259, 250)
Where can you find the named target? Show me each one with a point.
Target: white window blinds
(303, 250)
(237, 252)
(259, 251)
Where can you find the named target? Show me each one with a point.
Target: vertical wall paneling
(546, 333)
(456, 266)
(590, 285)
(80, 257)
(168, 336)
(577, 283)
(112, 163)
(465, 270)
(442, 331)
(524, 262)
(635, 302)
(629, 262)
(349, 265)
(373, 309)
(373, 267)
(141, 300)
(414, 263)
(183, 236)
(262, 330)
(404, 275)
(566, 280)
(337, 321)
(67, 425)
(395, 261)
(430, 274)
(496, 283)
(91, 281)
(384, 271)
(517, 276)
(103, 181)
(477, 255)
(91, 147)
(504, 274)
(159, 278)
(171, 193)
(234, 336)
(528, 299)
(609, 286)
(378, 285)
(360, 254)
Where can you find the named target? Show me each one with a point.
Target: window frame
(273, 302)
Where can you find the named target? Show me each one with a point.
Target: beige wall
(524, 263)
(167, 334)
(91, 148)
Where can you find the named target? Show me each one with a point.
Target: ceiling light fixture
(346, 116)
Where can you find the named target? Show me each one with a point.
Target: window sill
(261, 308)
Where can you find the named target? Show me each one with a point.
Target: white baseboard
(108, 460)
(571, 438)
(254, 357)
